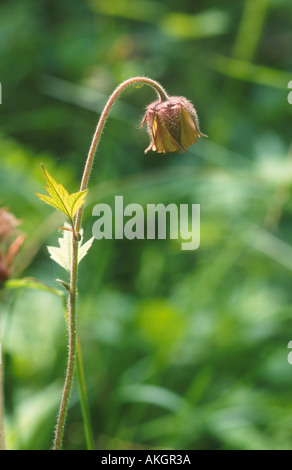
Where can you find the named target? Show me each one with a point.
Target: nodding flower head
(172, 125)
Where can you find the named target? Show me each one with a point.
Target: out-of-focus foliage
(181, 349)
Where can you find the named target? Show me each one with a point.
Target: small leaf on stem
(62, 254)
(60, 198)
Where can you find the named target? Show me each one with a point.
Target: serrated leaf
(60, 198)
(62, 254)
(83, 249)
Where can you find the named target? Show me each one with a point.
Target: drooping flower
(172, 125)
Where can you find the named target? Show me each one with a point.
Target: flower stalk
(131, 81)
(170, 143)
(72, 318)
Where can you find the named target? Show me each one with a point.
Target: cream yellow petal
(163, 141)
(189, 131)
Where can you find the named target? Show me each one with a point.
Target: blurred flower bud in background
(10, 242)
(172, 125)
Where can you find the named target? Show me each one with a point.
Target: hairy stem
(72, 327)
(74, 266)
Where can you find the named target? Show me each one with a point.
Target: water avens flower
(172, 125)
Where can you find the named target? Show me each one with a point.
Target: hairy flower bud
(172, 125)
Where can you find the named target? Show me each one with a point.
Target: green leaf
(60, 198)
(62, 254)
(29, 282)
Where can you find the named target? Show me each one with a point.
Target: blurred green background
(181, 350)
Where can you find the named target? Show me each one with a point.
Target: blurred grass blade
(244, 70)
(206, 24)
(151, 395)
(270, 245)
(250, 29)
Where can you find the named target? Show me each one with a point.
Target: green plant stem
(32, 283)
(74, 264)
(81, 387)
(72, 320)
